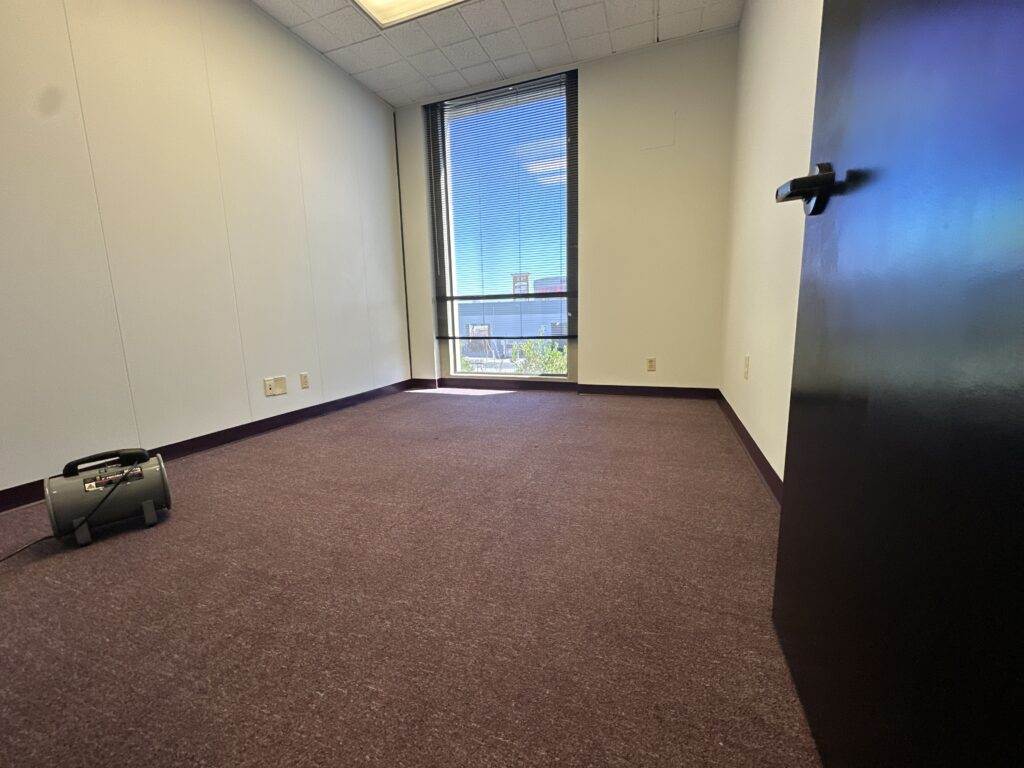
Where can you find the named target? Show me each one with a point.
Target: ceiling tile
(481, 73)
(627, 13)
(679, 24)
(349, 26)
(401, 73)
(555, 56)
(314, 33)
(392, 76)
(431, 63)
(409, 38)
(419, 89)
(584, 22)
(446, 27)
(633, 37)
(486, 16)
(542, 33)
(368, 54)
(592, 47)
(448, 82)
(284, 11)
(722, 14)
(503, 44)
(523, 11)
(515, 65)
(317, 8)
(396, 97)
(348, 60)
(465, 54)
(565, 5)
(375, 80)
(670, 7)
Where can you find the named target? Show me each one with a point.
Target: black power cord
(81, 522)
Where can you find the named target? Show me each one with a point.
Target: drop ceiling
(478, 43)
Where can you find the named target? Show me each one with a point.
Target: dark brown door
(899, 583)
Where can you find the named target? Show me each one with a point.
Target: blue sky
(508, 185)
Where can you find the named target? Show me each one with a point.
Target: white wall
(655, 135)
(777, 76)
(191, 199)
(60, 347)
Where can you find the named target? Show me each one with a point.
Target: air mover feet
(83, 535)
(149, 512)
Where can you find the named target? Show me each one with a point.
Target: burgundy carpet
(519, 579)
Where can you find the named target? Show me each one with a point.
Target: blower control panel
(102, 480)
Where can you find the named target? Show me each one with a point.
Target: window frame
(439, 183)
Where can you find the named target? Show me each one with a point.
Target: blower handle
(124, 457)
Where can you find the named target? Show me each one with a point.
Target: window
(503, 200)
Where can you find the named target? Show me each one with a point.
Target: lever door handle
(814, 189)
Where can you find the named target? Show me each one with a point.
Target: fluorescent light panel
(387, 13)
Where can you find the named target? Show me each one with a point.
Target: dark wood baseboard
(231, 434)
(771, 479)
(28, 493)
(517, 384)
(422, 383)
(19, 495)
(699, 393)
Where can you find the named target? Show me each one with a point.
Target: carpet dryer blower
(106, 488)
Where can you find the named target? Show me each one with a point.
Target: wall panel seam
(401, 235)
(366, 294)
(224, 213)
(309, 269)
(103, 231)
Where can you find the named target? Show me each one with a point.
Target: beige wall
(419, 259)
(655, 135)
(777, 75)
(191, 199)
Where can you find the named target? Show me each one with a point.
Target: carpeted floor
(517, 579)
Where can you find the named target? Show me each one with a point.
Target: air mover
(106, 488)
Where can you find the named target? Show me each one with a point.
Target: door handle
(814, 189)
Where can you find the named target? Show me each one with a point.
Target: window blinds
(502, 174)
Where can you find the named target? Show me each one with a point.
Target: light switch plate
(275, 385)
(304, 380)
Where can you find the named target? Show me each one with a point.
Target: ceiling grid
(482, 42)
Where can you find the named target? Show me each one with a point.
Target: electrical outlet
(304, 380)
(652, 364)
(746, 367)
(275, 385)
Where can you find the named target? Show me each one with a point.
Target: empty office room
(527, 383)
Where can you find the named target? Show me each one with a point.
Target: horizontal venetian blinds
(502, 168)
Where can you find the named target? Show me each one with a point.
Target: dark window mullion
(506, 296)
(502, 338)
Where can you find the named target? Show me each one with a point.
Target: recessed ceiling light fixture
(387, 13)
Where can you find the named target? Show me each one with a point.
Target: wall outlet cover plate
(275, 385)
